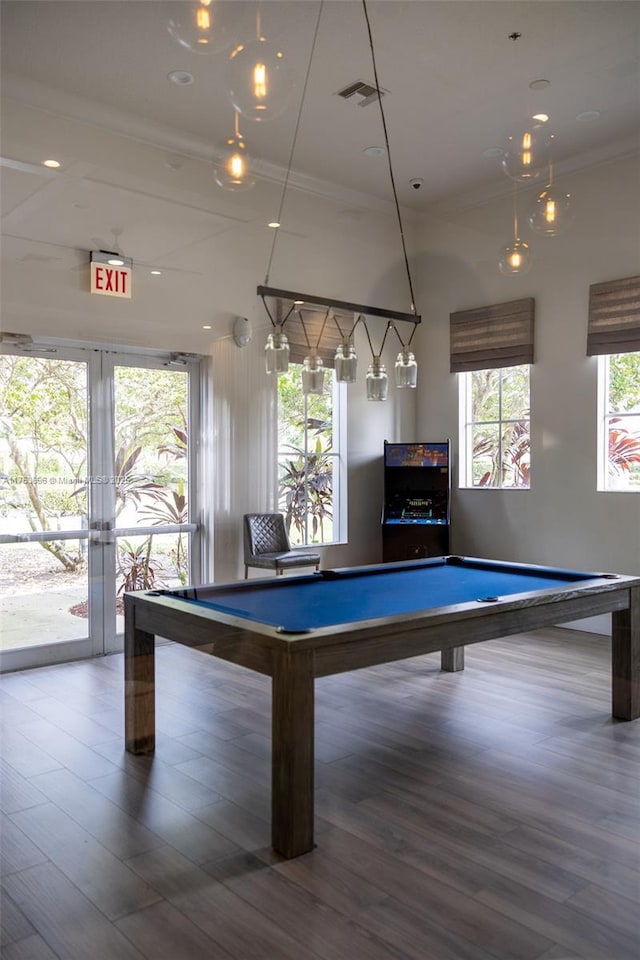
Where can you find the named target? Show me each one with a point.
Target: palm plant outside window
(495, 428)
(620, 449)
(308, 459)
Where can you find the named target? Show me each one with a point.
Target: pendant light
(205, 26)
(377, 381)
(313, 374)
(233, 169)
(259, 79)
(406, 369)
(346, 360)
(515, 258)
(551, 212)
(313, 365)
(527, 151)
(276, 351)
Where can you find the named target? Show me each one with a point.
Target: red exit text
(110, 281)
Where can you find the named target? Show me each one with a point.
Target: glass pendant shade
(515, 258)
(346, 362)
(377, 380)
(276, 353)
(551, 212)
(527, 153)
(406, 370)
(313, 374)
(207, 26)
(233, 169)
(259, 80)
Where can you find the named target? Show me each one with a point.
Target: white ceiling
(457, 85)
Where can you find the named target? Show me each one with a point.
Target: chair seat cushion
(292, 558)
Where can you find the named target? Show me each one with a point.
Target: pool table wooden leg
(139, 688)
(452, 659)
(625, 659)
(292, 753)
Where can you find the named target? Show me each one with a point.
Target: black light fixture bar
(311, 301)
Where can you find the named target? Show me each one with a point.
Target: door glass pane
(43, 487)
(151, 468)
(41, 601)
(154, 562)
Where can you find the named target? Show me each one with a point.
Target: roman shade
(500, 335)
(614, 317)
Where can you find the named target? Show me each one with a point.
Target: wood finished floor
(491, 814)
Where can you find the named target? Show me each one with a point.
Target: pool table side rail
(341, 647)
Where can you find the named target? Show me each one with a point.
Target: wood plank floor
(491, 814)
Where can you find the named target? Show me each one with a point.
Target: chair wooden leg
(246, 572)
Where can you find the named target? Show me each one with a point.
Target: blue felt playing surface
(305, 603)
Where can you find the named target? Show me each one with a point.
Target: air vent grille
(364, 89)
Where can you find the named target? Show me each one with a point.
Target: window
(495, 428)
(619, 446)
(310, 469)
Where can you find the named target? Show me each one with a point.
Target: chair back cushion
(264, 533)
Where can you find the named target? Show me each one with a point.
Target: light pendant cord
(373, 353)
(293, 146)
(386, 140)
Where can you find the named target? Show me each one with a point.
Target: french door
(99, 488)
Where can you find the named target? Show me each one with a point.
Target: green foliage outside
(500, 427)
(305, 463)
(44, 444)
(623, 418)
(624, 383)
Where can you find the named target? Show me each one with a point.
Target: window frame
(467, 425)
(336, 454)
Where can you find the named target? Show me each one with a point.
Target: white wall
(562, 519)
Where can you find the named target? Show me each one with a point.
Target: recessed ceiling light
(374, 151)
(54, 164)
(541, 117)
(589, 116)
(274, 224)
(181, 77)
(156, 273)
(206, 326)
(539, 84)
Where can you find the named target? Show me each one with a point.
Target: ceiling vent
(362, 88)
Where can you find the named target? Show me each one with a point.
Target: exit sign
(111, 275)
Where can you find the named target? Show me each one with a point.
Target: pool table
(298, 628)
